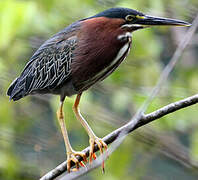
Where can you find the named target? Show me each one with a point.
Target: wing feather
(53, 65)
(48, 68)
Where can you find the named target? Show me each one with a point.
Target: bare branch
(144, 119)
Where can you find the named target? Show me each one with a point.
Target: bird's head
(133, 20)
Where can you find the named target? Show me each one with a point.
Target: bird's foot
(101, 144)
(72, 157)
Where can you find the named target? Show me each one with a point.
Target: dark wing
(48, 68)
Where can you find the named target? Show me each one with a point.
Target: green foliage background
(30, 139)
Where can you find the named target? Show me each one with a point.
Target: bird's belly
(101, 75)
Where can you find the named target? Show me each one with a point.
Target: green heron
(77, 57)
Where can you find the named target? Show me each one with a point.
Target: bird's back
(49, 67)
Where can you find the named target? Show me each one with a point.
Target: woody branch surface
(129, 127)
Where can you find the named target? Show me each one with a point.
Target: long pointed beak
(146, 21)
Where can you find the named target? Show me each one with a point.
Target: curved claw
(101, 144)
(72, 156)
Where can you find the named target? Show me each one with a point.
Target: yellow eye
(129, 17)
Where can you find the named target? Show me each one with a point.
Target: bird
(82, 54)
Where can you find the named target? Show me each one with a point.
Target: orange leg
(71, 154)
(93, 139)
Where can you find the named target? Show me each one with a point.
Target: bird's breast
(98, 53)
(121, 55)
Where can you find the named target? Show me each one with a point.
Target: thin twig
(145, 119)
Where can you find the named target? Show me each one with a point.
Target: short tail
(15, 91)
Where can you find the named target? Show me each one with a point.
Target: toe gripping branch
(78, 159)
(95, 144)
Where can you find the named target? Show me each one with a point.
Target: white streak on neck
(126, 35)
(101, 75)
(122, 51)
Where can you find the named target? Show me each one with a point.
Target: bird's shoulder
(59, 42)
(50, 65)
